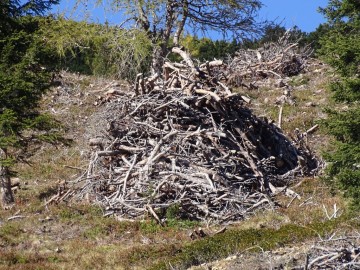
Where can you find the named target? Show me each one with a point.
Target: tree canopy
(24, 77)
(14, 8)
(166, 19)
(340, 46)
(97, 49)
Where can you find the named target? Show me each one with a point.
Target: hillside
(43, 232)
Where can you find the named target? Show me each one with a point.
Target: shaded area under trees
(24, 77)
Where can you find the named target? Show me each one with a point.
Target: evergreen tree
(340, 47)
(206, 49)
(273, 33)
(313, 38)
(23, 79)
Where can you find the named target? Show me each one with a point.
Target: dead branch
(185, 140)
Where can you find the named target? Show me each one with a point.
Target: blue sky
(302, 13)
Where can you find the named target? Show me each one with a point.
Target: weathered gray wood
(6, 192)
(185, 140)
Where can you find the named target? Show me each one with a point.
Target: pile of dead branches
(273, 60)
(186, 141)
(205, 79)
(342, 253)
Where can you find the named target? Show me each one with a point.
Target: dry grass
(77, 236)
(310, 94)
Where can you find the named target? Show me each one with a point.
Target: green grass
(87, 240)
(151, 226)
(27, 261)
(10, 233)
(235, 241)
(299, 80)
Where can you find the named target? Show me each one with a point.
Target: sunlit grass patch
(235, 241)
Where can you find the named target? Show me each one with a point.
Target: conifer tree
(340, 47)
(23, 80)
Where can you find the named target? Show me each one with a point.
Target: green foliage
(341, 10)
(15, 8)
(206, 49)
(340, 47)
(346, 89)
(273, 33)
(68, 214)
(314, 37)
(150, 227)
(24, 78)
(9, 233)
(95, 232)
(173, 211)
(178, 223)
(235, 241)
(98, 49)
(345, 167)
(345, 125)
(344, 161)
(174, 218)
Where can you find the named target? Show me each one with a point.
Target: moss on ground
(236, 241)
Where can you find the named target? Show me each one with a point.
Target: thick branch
(186, 57)
(143, 19)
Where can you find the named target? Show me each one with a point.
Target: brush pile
(186, 142)
(342, 253)
(279, 60)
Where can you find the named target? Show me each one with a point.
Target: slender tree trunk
(181, 23)
(6, 194)
(156, 62)
(158, 56)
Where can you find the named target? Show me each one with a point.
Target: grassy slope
(78, 236)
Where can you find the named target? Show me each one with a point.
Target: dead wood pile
(341, 253)
(186, 140)
(280, 59)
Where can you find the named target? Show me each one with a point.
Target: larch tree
(23, 80)
(164, 20)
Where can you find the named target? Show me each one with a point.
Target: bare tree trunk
(159, 53)
(181, 23)
(6, 194)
